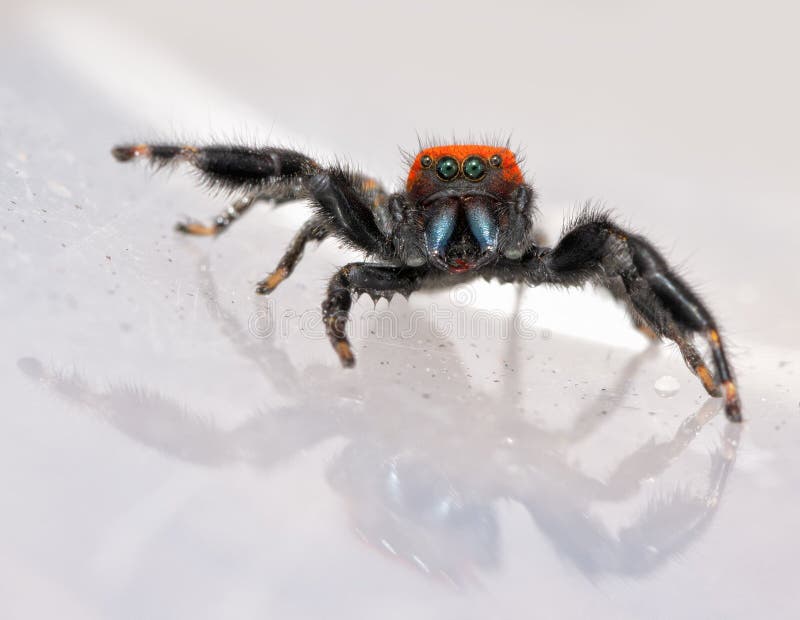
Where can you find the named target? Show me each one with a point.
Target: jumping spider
(466, 211)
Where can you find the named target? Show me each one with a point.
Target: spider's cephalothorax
(465, 212)
(467, 197)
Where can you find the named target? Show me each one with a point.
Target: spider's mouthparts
(463, 256)
(460, 265)
(462, 235)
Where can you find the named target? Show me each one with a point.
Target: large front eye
(447, 168)
(474, 168)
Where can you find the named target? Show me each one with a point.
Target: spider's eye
(426, 161)
(496, 160)
(447, 168)
(474, 168)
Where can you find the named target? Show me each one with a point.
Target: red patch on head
(509, 167)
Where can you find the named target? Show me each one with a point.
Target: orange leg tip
(733, 406)
(708, 381)
(271, 282)
(195, 228)
(345, 354)
(128, 152)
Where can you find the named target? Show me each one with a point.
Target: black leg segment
(225, 167)
(346, 200)
(276, 192)
(313, 230)
(221, 222)
(595, 249)
(355, 279)
(339, 199)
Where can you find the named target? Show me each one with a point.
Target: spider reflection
(423, 488)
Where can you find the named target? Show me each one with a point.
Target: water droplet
(667, 386)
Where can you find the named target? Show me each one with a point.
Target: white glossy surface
(162, 456)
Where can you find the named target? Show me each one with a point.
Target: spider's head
(461, 192)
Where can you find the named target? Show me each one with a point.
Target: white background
(161, 457)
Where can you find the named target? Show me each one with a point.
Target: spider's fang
(440, 229)
(483, 226)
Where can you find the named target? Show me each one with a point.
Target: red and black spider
(466, 212)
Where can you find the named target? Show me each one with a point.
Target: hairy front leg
(225, 167)
(263, 173)
(348, 201)
(356, 279)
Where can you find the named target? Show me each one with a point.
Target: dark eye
(447, 168)
(474, 168)
(426, 161)
(496, 160)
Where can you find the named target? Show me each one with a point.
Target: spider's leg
(349, 212)
(221, 222)
(264, 173)
(355, 279)
(223, 166)
(313, 230)
(596, 249)
(616, 287)
(277, 192)
(349, 202)
(695, 361)
(690, 353)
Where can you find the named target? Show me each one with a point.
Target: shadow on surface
(421, 482)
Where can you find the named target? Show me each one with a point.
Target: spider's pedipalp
(378, 281)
